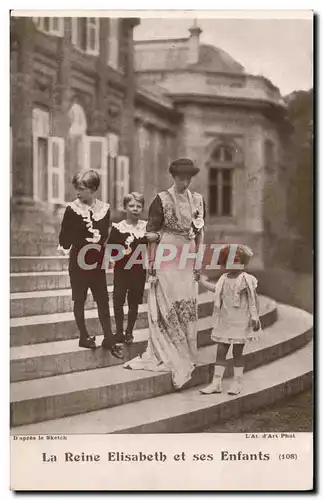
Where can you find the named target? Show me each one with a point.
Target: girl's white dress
(235, 306)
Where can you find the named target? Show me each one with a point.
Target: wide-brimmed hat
(183, 166)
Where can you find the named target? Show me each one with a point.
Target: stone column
(127, 121)
(22, 154)
(62, 98)
(193, 145)
(254, 192)
(254, 180)
(138, 171)
(100, 111)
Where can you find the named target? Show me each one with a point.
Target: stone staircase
(56, 387)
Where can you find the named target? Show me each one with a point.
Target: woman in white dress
(176, 219)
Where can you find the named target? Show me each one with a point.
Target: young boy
(236, 317)
(86, 222)
(129, 233)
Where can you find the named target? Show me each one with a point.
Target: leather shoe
(88, 343)
(116, 351)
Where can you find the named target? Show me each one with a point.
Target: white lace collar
(99, 209)
(138, 231)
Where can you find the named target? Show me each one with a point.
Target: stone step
(32, 264)
(188, 410)
(52, 300)
(37, 245)
(56, 358)
(74, 393)
(44, 280)
(24, 304)
(55, 327)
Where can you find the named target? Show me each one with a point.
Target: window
(113, 43)
(86, 34)
(122, 180)
(222, 154)
(221, 182)
(118, 173)
(220, 192)
(56, 172)
(95, 157)
(41, 130)
(113, 148)
(50, 25)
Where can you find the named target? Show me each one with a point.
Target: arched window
(77, 131)
(221, 169)
(78, 120)
(223, 153)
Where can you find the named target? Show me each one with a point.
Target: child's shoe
(216, 384)
(128, 338)
(236, 385)
(87, 343)
(235, 388)
(119, 337)
(115, 350)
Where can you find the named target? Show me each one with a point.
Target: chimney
(194, 43)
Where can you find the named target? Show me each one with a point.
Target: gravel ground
(294, 414)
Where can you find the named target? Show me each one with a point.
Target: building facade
(85, 95)
(231, 127)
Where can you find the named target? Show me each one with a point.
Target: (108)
(287, 456)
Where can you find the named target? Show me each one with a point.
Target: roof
(172, 54)
(215, 59)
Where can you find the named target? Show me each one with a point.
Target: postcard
(161, 258)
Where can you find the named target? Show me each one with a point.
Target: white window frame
(93, 25)
(103, 172)
(40, 128)
(59, 170)
(40, 24)
(122, 180)
(113, 144)
(113, 46)
(90, 25)
(218, 165)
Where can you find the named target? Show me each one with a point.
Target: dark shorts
(130, 284)
(82, 281)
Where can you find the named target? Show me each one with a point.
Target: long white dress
(172, 300)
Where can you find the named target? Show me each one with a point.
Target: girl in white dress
(236, 317)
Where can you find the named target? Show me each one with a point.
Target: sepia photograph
(161, 227)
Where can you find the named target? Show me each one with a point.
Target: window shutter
(96, 158)
(56, 171)
(56, 25)
(93, 35)
(113, 52)
(75, 37)
(122, 180)
(113, 148)
(113, 145)
(37, 21)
